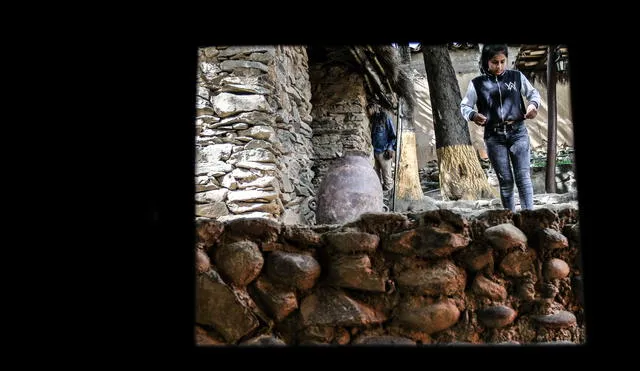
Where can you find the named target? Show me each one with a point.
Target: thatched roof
(532, 61)
(385, 78)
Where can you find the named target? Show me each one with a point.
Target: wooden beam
(370, 71)
(550, 180)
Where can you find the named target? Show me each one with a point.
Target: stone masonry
(340, 123)
(253, 139)
(434, 277)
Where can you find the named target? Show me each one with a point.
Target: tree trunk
(461, 175)
(408, 185)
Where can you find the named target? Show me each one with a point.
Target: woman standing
(498, 95)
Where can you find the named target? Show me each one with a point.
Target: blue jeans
(506, 149)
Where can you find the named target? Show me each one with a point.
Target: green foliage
(563, 157)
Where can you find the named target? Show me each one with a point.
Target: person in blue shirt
(494, 100)
(383, 139)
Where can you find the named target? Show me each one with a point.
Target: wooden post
(550, 180)
(399, 118)
(407, 186)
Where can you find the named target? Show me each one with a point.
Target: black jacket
(499, 98)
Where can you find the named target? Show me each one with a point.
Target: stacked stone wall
(253, 139)
(436, 277)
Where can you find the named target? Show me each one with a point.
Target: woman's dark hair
(488, 52)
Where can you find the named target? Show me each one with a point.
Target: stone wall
(340, 123)
(565, 179)
(436, 277)
(253, 144)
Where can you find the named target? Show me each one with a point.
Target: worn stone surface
(203, 338)
(302, 235)
(497, 316)
(517, 262)
(440, 278)
(505, 236)
(342, 336)
(380, 223)
(556, 269)
(354, 271)
(446, 220)
(212, 210)
(532, 221)
(436, 242)
(240, 262)
(351, 241)
(567, 213)
(401, 243)
(264, 340)
(525, 289)
(203, 262)
(429, 318)
(317, 334)
(478, 258)
(293, 270)
(552, 239)
(214, 168)
(279, 301)
(488, 288)
(212, 196)
(332, 307)
(260, 230)
(560, 319)
(486, 219)
(218, 305)
(208, 231)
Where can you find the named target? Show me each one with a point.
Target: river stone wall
(434, 277)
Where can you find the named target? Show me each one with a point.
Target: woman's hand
(532, 111)
(479, 119)
(388, 154)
